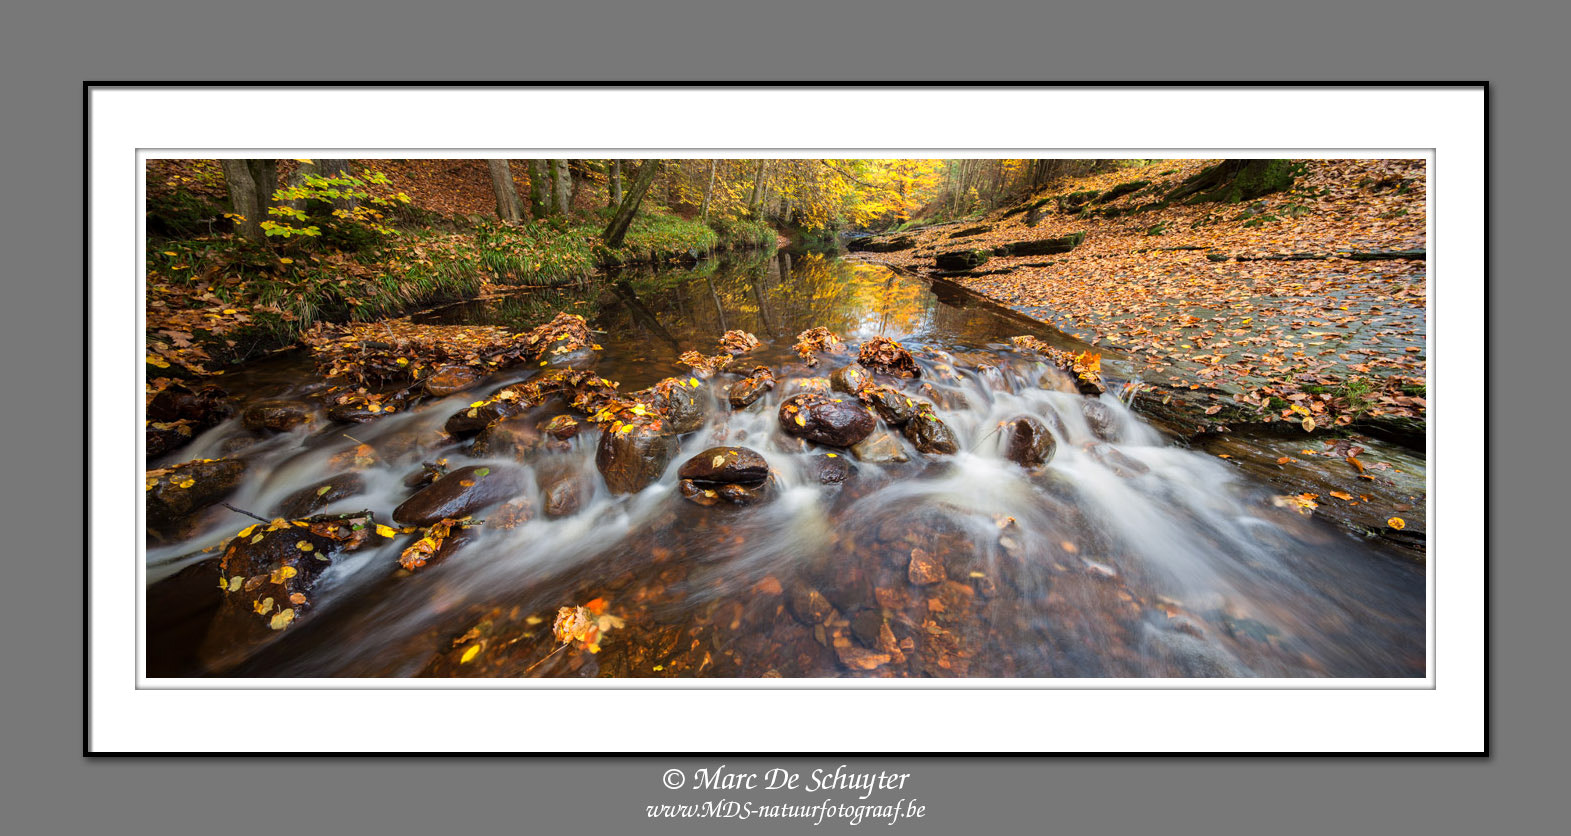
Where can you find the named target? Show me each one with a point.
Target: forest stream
(1063, 536)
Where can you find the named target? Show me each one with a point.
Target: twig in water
(243, 511)
(545, 657)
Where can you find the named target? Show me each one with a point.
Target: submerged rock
(276, 416)
(176, 492)
(1101, 419)
(459, 494)
(313, 498)
(879, 448)
(808, 604)
(931, 435)
(1111, 458)
(885, 356)
(1027, 442)
(477, 416)
(563, 487)
(635, 457)
(451, 380)
(833, 422)
(925, 568)
(830, 469)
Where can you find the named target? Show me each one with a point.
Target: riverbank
(215, 300)
(1300, 312)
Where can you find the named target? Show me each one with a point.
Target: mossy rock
(1048, 246)
(1122, 189)
(961, 259)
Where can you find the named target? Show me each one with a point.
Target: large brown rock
(684, 406)
(726, 466)
(745, 392)
(276, 416)
(514, 437)
(881, 447)
(636, 457)
(931, 435)
(894, 406)
(460, 493)
(849, 379)
(833, 422)
(1027, 442)
(181, 490)
(472, 419)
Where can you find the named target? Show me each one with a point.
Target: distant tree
(615, 186)
(564, 187)
(251, 184)
(508, 206)
(540, 187)
(616, 230)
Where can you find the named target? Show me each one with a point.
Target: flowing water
(1130, 558)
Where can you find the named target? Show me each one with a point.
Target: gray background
(47, 51)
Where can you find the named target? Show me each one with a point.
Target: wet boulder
(451, 380)
(731, 474)
(266, 578)
(203, 407)
(168, 436)
(477, 416)
(1101, 418)
(800, 385)
(885, 356)
(276, 416)
(882, 447)
(833, 422)
(745, 392)
(176, 492)
(684, 404)
(313, 498)
(849, 379)
(459, 494)
(513, 437)
(635, 457)
(892, 405)
(830, 469)
(931, 435)
(726, 465)
(353, 411)
(562, 427)
(1027, 442)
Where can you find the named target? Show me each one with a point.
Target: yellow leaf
(1309, 424)
(235, 584)
(303, 545)
(246, 532)
(472, 652)
(282, 620)
(717, 461)
(185, 483)
(385, 531)
(1397, 523)
(800, 421)
(693, 382)
(282, 573)
(262, 606)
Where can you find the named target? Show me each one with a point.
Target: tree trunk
(336, 168)
(756, 202)
(243, 199)
(617, 229)
(616, 183)
(564, 187)
(539, 187)
(508, 206)
(709, 190)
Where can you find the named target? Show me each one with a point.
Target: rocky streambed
(792, 466)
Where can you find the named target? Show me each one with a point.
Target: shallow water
(1129, 558)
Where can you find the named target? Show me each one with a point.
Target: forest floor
(1202, 304)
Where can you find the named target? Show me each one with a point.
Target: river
(1127, 556)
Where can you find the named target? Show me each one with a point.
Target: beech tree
(251, 184)
(508, 206)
